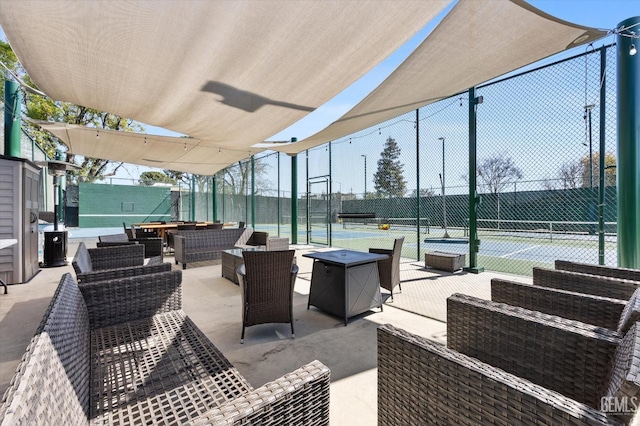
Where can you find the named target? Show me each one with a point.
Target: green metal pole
(294, 198)
(603, 152)
(418, 181)
(279, 199)
(214, 195)
(628, 155)
(474, 199)
(11, 118)
(193, 198)
(330, 205)
(253, 192)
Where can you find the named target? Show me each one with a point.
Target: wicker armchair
(605, 271)
(152, 246)
(587, 308)
(107, 263)
(266, 281)
(422, 382)
(389, 269)
(505, 365)
(614, 288)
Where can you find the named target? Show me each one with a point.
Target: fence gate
(318, 210)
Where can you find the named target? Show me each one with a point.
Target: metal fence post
(193, 197)
(474, 199)
(603, 152)
(418, 181)
(253, 192)
(11, 118)
(294, 197)
(214, 195)
(628, 143)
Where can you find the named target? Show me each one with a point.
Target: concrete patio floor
(213, 303)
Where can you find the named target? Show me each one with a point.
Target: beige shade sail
(475, 42)
(229, 73)
(171, 153)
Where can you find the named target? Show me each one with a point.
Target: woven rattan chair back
(389, 269)
(267, 288)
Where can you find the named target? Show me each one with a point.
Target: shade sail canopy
(227, 73)
(475, 42)
(165, 152)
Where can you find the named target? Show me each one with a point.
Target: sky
(603, 14)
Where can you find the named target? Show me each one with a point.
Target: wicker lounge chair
(389, 269)
(106, 263)
(123, 352)
(266, 281)
(605, 271)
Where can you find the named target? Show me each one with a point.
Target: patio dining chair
(389, 269)
(266, 280)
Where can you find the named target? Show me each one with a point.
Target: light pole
(587, 114)
(365, 175)
(444, 199)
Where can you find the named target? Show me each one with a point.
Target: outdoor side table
(345, 283)
(231, 260)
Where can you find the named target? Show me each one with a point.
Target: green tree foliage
(43, 108)
(150, 178)
(388, 181)
(498, 171)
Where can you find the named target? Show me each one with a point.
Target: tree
(610, 170)
(571, 175)
(389, 181)
(150, 178)
(43, 108)
(497, 172)
(237, 178)
(575, 174)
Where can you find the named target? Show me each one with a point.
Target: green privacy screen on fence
(110, 205)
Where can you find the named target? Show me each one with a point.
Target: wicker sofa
(107, 263)
(505, 365)
(101, 356)
(616, 288)
(152, 246)
(203, 244)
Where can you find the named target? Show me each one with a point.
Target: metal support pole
(418, 181)
(330, 206)
(12, 118)
(253, 192)
(214, 195)
(587, 116)
(193, 197)
(628, 156)
(365, 176)
(474, 199)
(294, 197)
(279, 198)
(603, 152)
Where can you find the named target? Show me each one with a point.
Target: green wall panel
(109, 205)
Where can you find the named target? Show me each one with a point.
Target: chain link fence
(538, 174)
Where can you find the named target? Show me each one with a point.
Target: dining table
(161, 228)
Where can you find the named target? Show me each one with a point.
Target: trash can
(55, 249)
